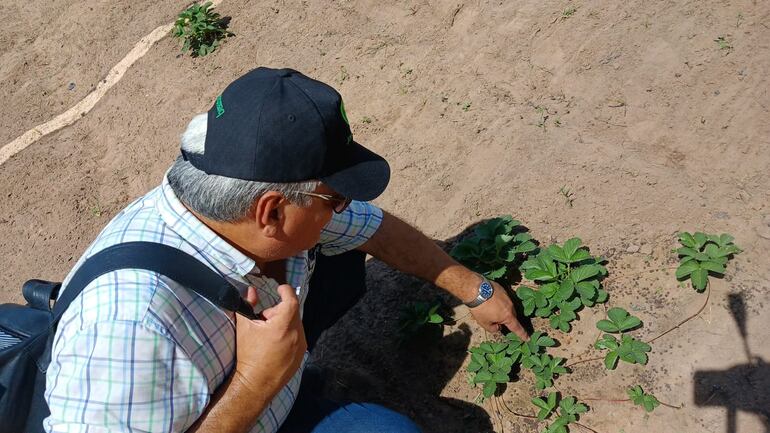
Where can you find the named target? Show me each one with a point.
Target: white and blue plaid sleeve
(121, 376)
(350, 229)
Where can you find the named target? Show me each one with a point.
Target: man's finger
(514, 326)
(251, 296)
(287, 293)
(288, 306)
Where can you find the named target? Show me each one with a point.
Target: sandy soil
(482, 108)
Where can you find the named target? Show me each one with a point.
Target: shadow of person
(363, 359)
(744, 387)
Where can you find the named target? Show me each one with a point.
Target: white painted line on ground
(86, 104)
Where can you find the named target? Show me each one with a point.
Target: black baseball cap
(277, 125)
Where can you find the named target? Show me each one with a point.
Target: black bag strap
(181, 267)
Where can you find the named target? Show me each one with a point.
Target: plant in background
(628, 348)
(417, 315)
(201, 29)
(702, 254)
(569, 279)
(568, 411)
(494, 247)
(640, 398)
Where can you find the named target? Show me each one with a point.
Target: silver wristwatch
(485, 292)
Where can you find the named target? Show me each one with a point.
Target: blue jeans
(338, 282)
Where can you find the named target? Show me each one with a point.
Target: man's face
(304, 224)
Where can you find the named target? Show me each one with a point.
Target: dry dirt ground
(482, 108)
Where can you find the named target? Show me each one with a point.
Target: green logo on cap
(342, 110)
(220, 107)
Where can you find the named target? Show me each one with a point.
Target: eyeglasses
(340, 203)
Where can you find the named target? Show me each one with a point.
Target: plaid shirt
(135, 352)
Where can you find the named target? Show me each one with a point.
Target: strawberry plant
(568, 411)
(417, 315)
(494, 248)
(201, 29)
(640, 398)
(492, 366)
(492, 362)
(702, 254)
(569, 279)
(628, 348)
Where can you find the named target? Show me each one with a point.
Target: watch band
(485, 292)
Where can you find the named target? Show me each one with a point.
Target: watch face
(485, 290)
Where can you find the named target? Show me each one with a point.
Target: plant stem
(708, 294)
(520, 415)
(585, 427)
(624, 400)
(584, 360)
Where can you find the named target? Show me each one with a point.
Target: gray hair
(222, 198)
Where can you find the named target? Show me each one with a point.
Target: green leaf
(607, 326)
(483, 376)
(713, 267)
(464, 250)
(579, 256)
(496, 274)
(584, 272)
(587, 289)
(686, 269)
(687, 240)
(540, 403)
(601, 296)
(686, 251)
(546, 341)
(566, 289)
(725, 239)
(558, 253)
(700, 240)
(570, 247)
(699, 279)
(474, 366)
(552, 400)
(539, 275)
(711, 250)
(611, 360)
(489, 389)
(617, 315)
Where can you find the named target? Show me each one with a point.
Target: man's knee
(369, 418)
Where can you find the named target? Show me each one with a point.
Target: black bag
(27, 332)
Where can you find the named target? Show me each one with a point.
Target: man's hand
(268, 353)
(498, 310)
(406, 249)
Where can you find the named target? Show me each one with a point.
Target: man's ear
(268, 213)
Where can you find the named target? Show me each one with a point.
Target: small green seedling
(640, 398)
(492, 366)
(201, 29)
(628, 349)
(546, 406)
(569, 196)
(619, 321)
(569, 410)
(723, 43)
(494, 247)
(568, 12)
(702, 254)
(569, 279)
(417, 315)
